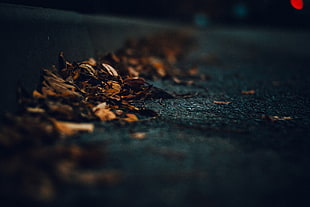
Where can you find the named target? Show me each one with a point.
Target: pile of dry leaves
(35, 157)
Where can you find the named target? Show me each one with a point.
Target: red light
(297, 4)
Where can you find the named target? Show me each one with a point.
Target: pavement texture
(201, 153)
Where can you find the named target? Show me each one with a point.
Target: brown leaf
(134, 83)
(131, 118)
(112, 88)
(178, 81)
(248, 92)
(35, 110)
(276, 118)
(36, 94)
(193, 71)
(111, 71)
(159, 66)
(62, 109)
(132, 72)
(221, 102)
(105, 114)
(91, 71)
(71, 128)
(90, 61)
(138, 135)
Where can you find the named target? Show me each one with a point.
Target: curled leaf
(110, 70)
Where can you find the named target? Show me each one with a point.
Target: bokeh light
(297, 4)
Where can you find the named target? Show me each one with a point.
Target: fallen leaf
(35, 110)
(105, 114)
(138, 135)
(221, 102)
(88, 68)
(132, 72)
(71, 128)
(193, 71)
(90, 61)
(276, 118)
(110, 70)
(37, 94)
(248, 92)
(158, 65)
(134, 83)
(178, 81)
(130, 118)
(102, 105)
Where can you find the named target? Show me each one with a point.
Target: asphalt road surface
(243, 150)
(201, 153)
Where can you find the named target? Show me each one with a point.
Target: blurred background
(275, 13)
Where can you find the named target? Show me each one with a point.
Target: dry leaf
(83, 91)
(102, 105)
(178, 81)
(36, 94)
(71, 128)
(132, 72)
(158, 65)
(112, 88)
(105, 114)
(131, 118)
(221, 102)
(35, 110)
(276, 118)
(110, 69)
(193, 71)
(138, 135)
(90, 61)
(248, 92)
(88, 68)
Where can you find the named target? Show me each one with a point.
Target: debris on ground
(275, 118)
(35, 157)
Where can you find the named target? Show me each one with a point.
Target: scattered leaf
(70, 128)
(105, 114)
(276, 118)
(110, 69)
(221, 102)
(138, 135)
(37, 94)
(130, 118)
(248, 92)
(193, 71)
(35, 110)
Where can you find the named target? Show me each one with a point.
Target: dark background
(273, 13)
